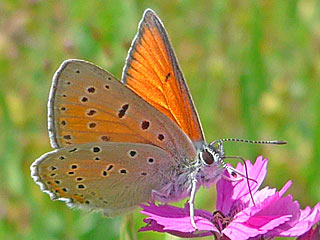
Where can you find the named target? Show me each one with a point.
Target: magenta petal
(266, 192)
(224, 196)
(270, 214)
(312, 234)
(230, 192)
(257, 172)
(308, 217)
(260, 219)
(153, 226)
(285, 188)
(242, 231)
(175, 220)
(274, 211)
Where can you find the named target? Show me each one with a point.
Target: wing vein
(165, 96)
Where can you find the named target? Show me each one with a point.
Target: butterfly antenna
(275, 142)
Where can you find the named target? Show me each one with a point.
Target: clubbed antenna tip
(276, 142)
(280, 142)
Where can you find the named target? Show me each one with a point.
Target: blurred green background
(253, 68)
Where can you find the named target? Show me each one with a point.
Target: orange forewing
(88, 104)
(152, 71)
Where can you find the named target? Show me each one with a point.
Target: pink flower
(312, 234)
(237, 217)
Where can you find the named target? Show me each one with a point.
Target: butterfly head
(212, 164)
(210, 155)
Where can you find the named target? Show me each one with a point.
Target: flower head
(237, 217)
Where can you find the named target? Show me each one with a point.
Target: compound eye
(207, 157)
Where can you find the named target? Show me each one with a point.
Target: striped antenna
(276, 142)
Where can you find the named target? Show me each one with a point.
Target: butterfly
(120, 144)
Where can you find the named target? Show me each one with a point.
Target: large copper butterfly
(119, 144)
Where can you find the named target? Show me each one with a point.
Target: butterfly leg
(191, 202)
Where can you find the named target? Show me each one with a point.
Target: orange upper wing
(152, 71)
